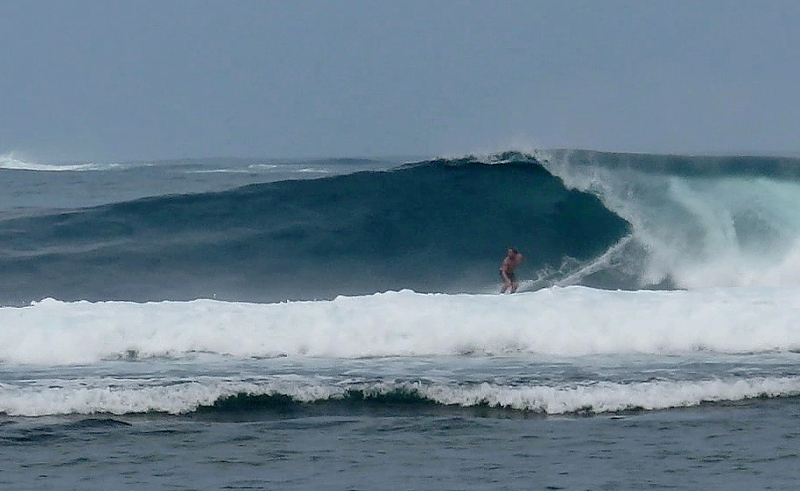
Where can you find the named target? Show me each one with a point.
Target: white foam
(136, 396)
(89, 397)
(560, 321)
(606, 397)
(701, 232)
(12, 162)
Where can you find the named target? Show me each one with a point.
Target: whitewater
(302, 321)
(572, 321)
(697, 222)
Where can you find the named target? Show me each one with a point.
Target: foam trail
(576, 274)
(570, 321)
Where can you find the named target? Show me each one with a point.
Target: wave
(697, 221)
(297, 395)
(12, 162)
(437, 226)
(603, 220)
(571, 321)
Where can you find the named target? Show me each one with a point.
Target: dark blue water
(433, 226)
(750, 447)
(430, 226)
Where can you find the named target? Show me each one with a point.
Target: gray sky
(129, 80)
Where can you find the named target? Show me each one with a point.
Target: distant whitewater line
(11, 162)
(571, 321)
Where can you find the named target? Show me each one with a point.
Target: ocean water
(336, 323)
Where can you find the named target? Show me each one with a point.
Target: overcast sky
(140, 79)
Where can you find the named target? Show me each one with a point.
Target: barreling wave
(696, 221)
(436, 226)
(605, 220)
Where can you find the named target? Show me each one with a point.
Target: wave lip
(604, 220)
(697, 222)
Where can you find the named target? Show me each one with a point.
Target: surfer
(510, 263)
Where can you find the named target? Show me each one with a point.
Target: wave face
(605, 220)
(435, 226)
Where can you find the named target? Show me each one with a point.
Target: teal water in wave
(433, 226)
(654, 343)
(249, 230)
